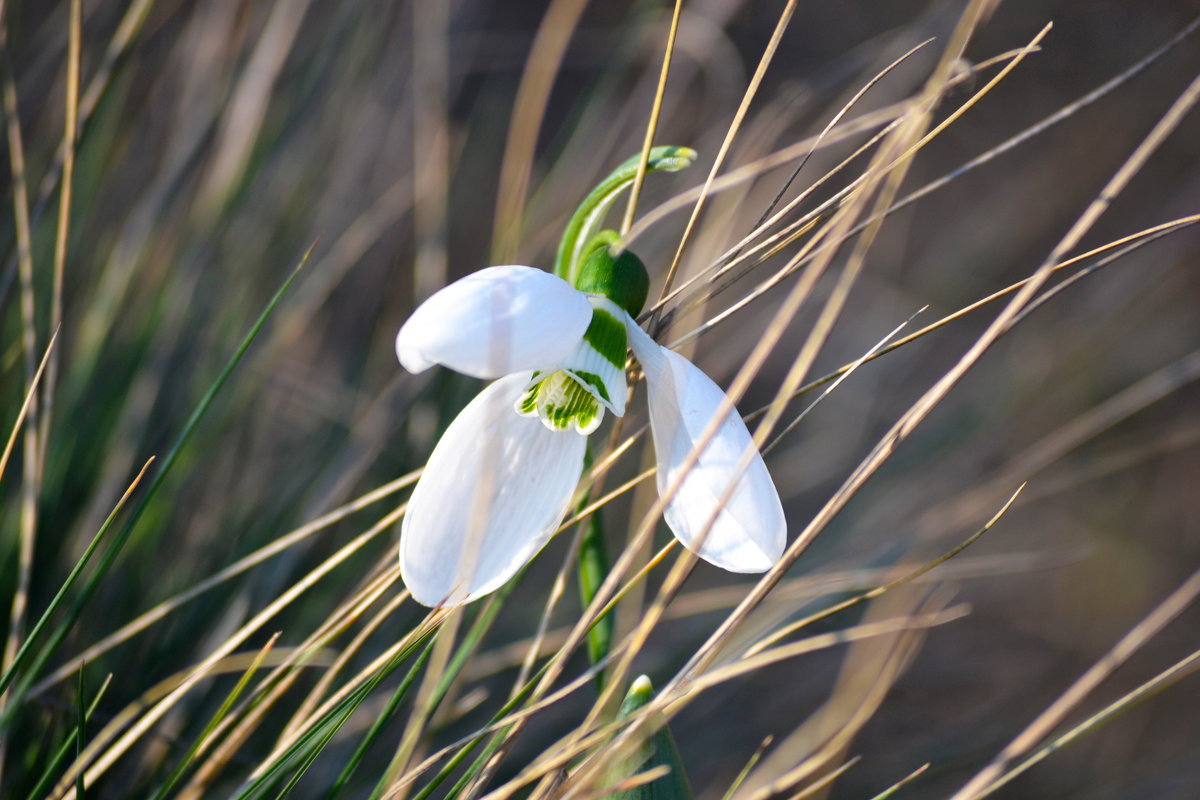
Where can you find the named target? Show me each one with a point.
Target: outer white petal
(493, 492)
(495, 322)
(749, 532)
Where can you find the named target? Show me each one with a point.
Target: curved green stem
(590, 215)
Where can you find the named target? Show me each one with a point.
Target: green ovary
(561, 402)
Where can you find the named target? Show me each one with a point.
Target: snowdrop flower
(502, 476)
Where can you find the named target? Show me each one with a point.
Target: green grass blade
(80, 733)
(593, 569)
(27, 645)
(168, 462)
(318, 735)
(465, 648)
(378, 725)
(194, 750)
(75, 739)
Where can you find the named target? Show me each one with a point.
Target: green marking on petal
(593, 380)
(526, 404)
(561, 402)
(606, 334)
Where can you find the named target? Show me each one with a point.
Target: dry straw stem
(74, 36)
(431, 621)
(900, 784)
(652, 124)
(825, 781)
(795, 590)
(423, 708)
(741, 776)
(1184, 668)
(881, 589)
(570, 750)
(233, 663)
(497, 724)
(921, 409)
(272, 689)
(884, 205)
(127, 30)
(1045, 722)
(30, 395)
(323, 685)
(533, 94)
(767, 220)
(751, 90)
(30, 473)
(143, 724)
(1056, 444)
(1123, 246)
(632, 782)
(260, 555)
(899, 141)
(1063, 113)
(870, 669)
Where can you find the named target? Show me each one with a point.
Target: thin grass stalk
(73, 740)
(349, 651)
(635, 190)
(569, 752)
(314, 739)
(918, 411)
(884, 588)
(894, 112)
(30, 395)
(209, 728)
(541, 68)
(1184, 668)
(35, 633)
(30, 484)
(260, 555)
(735, 125)
(1044, 723)
(1012, 142)
(138, 729)
(900, 784)
(426, 700)
(275, 685)
(168, 462)
(380, 722)
(71, 124)
(741, 776)
(1134, 240)
(768, 219)
(233, 663)
(127, 30)
(446, 677)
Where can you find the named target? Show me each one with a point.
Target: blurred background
(221, 139)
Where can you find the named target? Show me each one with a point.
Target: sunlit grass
(209, 449)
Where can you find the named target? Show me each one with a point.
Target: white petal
(749, 532)
(493, 492)
(494, 322)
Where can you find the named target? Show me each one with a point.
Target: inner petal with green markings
(589, 380)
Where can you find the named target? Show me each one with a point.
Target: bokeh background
(226, 137)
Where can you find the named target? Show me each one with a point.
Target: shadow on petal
(492, 494)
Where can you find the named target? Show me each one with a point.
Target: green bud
(621, 278)
(657, 750)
